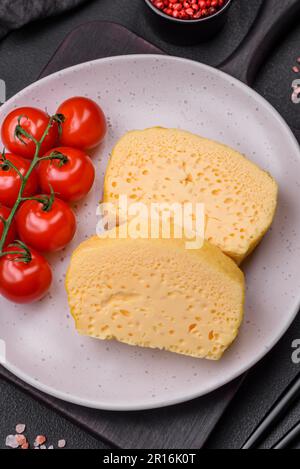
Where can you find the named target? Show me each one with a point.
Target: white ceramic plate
(42, 345)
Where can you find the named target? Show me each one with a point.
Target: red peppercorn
(189, 9)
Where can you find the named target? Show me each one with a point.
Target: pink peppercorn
(189, 9)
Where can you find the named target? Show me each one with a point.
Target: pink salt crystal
(20, 439)
(296, 94)
(40, 440)
(20, 428)
(25, 445)
(11, 441)
(296, 69)
(61, 443)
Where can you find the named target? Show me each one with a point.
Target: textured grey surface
(16, 407)
(22, 56)
(276, 77)
(16, 13)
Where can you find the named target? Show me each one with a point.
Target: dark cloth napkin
(16, 13)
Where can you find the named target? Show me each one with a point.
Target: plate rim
(100, 405)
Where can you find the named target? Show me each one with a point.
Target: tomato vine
(47, 200)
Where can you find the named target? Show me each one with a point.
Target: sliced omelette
(171, 165)
(156, 293)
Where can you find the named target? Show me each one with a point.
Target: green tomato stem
(24, 179)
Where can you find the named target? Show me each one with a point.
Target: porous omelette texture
(171, 165)
(157, 294)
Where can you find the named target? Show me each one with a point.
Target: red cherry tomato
(46, 230)
(85, 124)
(10, 181)
(24, 282)
(35, 122)
(12, 232)
(70, 180)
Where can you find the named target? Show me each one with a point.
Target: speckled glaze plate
(42, 345)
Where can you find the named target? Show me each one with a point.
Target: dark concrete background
(22, 56)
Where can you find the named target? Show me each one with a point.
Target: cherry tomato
(46, 229)
(12, 232)
(85, 124)
(71, 180)
(35, 122)
(24, 282)
(10, 181)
